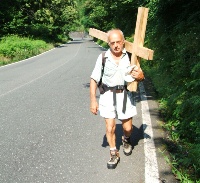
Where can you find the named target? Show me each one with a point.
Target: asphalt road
(47, 133)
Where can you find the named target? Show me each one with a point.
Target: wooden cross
(136, 48)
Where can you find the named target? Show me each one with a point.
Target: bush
(175, 75)
(14, 48)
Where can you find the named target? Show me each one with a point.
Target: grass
(14, 48)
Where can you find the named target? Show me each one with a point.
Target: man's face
(116, 42)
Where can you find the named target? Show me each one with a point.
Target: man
(116, 101)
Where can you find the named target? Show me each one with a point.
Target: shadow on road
(75, 42)
(137, 135)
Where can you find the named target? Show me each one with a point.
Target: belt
(116, 90)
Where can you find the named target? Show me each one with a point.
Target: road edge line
(151, 165)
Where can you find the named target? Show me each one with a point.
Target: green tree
(42, 18)
(96, 14)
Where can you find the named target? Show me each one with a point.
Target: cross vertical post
(138, 41)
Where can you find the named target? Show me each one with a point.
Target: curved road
(47, 133)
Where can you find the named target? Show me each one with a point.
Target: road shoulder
(160, 136)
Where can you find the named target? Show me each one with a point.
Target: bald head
(117, 32)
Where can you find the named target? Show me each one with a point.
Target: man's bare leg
(110, 132)
(127, 128)
(111, 138)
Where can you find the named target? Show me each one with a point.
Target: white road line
(151, 166)
(10, 91)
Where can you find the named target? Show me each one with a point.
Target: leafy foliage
(175, 73)
(41, 19)
(14, 48)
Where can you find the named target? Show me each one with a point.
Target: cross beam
(136, 48)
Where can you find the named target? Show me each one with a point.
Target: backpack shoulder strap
(103, 59)
(129, 55)
(103, 64)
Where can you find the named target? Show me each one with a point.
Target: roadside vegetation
(14, 48)
(31, 27)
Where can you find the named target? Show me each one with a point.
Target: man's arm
(93, 101)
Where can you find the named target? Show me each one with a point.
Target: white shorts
(108, 110)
